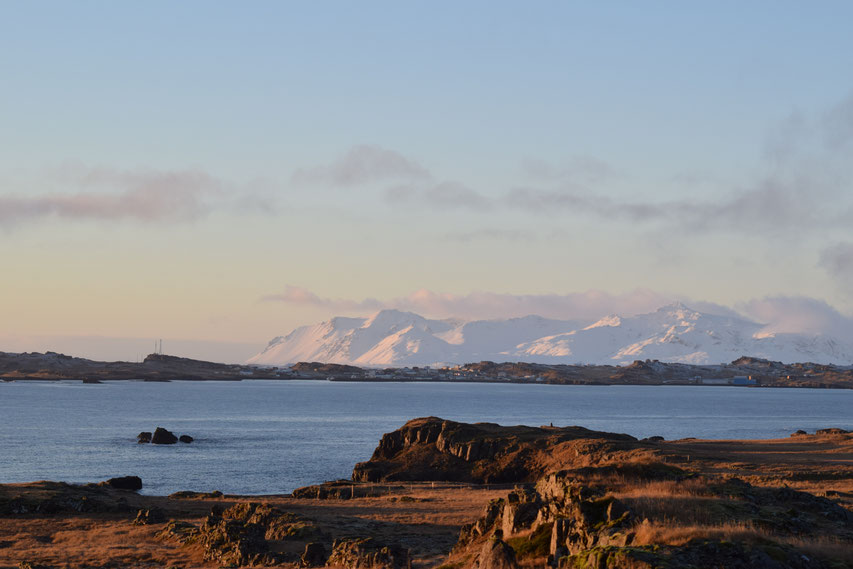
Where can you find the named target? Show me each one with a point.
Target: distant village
(742, 372)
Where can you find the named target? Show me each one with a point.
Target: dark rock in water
(654, 439)
(314, 555)
(190, 495)
(125, 483)
(144, 437)
(798, 433)
(185, 439)
(497, 554)
(163, 437)
(147, 517)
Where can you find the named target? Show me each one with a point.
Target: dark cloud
(142, 195)
(837, 260)
(442, 196)
(360, 165)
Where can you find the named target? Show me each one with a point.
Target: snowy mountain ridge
(673, 333)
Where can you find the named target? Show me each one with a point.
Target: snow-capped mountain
(673, 333)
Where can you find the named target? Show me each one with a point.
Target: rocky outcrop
(435, 449)
(185, 439)
(163, 437)
(580, 517)
(245, 534)
(496, 554)
(572, 519)
(366, 552)
(48, 498)
(144, 437)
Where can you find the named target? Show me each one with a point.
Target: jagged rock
(163, 437)
(832, 431)
(183, 532)
(125, 483)
(314, 555)
(231, 541)
(520, 510)
(368, 553)
(144, 437)
(186, 439)
(150, 516)
(496, 554)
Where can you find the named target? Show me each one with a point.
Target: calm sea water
(264, 437)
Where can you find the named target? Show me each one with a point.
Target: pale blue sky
(165, 166)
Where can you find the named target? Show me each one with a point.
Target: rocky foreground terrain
(438, 493)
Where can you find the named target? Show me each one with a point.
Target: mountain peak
(672, 333)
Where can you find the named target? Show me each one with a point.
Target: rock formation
(163, 437)
(125, 483)
(431, 448)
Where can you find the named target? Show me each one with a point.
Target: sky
(217, 173)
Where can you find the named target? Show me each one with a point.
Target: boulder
(186, 439)
(151, 516)
(125, 483)
(314, 555)
(497, 554)
(144, 437)
(163, 437)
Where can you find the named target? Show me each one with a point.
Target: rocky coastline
(439, 493)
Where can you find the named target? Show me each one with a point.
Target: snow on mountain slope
(676, 333)
(348, 340)
(489, 339)
(673, 333)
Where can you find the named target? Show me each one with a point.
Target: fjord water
(265, 437)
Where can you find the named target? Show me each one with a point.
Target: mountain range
(673, 333)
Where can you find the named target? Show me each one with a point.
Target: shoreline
(738, 502)
(491, 381)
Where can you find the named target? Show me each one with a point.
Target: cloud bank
(145, 195)
(779, 314)
(589, 305)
